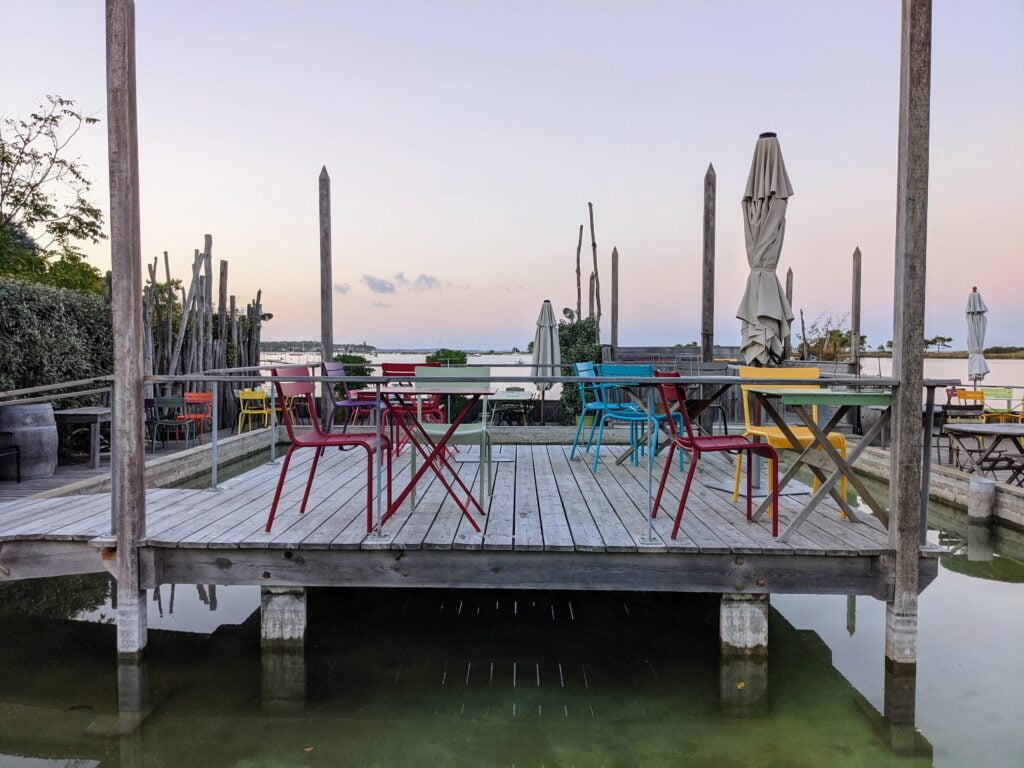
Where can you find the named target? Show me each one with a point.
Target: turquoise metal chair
(592, 395)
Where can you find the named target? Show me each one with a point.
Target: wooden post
(595, 277)
(579, 285)
(590, 312)
(908, 328)
(128, 486)
(855, 313)
(615, 297)
(787, 343)
(326, 281)
(707, 315)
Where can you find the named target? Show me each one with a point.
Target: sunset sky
(464, 140)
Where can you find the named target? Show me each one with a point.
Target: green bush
(355, 365)
(49, 335)
(447, 357)
(577, 343)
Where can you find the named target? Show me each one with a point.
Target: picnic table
(820, 456)
(989, 437)
(94, 417)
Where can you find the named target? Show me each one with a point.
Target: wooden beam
(615, 297)
(908, 327)
(450, 569)
(129, 488)
(326, 279)
(707, 313)
(855, 310)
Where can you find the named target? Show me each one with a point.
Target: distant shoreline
(954, 355)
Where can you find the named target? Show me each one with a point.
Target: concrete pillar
(899, 708)
(981, 499)
(743, 625)
(283, 617)
(132, 686)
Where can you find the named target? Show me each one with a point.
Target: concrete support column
(282, 678)
(283, 617)
(743, 625)
(899, 709)
(981, 501)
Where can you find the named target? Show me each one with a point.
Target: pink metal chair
(320, 440)
(695, 445)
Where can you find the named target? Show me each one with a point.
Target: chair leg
(750, 487)
(664, 479)
(686, 492)
(593, 427)
(369, 487)
(280, 485)
(576, 440)
(736, 476)
(600, 437)
(309, 482)
(775, 496)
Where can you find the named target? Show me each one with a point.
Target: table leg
(800, 461)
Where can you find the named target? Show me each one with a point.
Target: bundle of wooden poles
(190, 335)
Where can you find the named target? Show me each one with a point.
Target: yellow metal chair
(253, 404)
(772, 434)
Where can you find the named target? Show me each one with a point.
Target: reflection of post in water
(851, 614)
(133, 707)
(212, 590)
(899, 711)
(282, 643)
(981, 499)
(743, 674)
(158, 601)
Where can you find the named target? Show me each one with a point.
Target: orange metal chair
(199, 408)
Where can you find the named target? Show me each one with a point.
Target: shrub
(49, 335)
(355, 365)
(447, 357)
(577, 343)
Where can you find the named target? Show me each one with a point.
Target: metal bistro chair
(253, 404)
(170, 420)
(301, 392)
(354, 408)
(199, 408)
(695, 445)
(513, 412)
(595, 402)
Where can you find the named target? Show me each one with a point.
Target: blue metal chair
(594, 404)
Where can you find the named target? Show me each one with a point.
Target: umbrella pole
(543, 421)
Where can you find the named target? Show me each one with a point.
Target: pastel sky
(464, 140)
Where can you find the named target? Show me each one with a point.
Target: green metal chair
(170, 420)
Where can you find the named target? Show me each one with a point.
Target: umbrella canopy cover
(977, 368)
(764, 312)
(547, 356)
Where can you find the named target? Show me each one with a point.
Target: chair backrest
(252, 399)
(407, 370)
(169, 405)
(336, 371)
(754, 372)
(998, 393)
(950, 395)
(296, 390)
(625, 369)
(586, 371)
(202, 399)
(424, 374)
(671, 394)
(970, 396)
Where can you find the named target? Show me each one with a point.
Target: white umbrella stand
(977, 368)
(764, 312)
(547, 355)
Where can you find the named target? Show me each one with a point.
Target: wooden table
(91, 416)
(995, 434)
(401, 406)
(820, 457)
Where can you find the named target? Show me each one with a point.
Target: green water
(464, 678)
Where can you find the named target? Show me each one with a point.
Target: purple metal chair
(354, 407)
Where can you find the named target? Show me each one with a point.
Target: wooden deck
(551, 523)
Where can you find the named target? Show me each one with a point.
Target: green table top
(833, 397)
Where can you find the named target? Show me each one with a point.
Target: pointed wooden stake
(707, 314)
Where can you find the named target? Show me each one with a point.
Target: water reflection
(441, 678)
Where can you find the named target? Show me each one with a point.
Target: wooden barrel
(32, 428)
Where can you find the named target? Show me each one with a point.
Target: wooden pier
(551, 524)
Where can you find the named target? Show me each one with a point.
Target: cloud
(401, 279)
(511, 287)
(426, 283)
(458, 287)
(342, 288)
(378, 284)
(381, 304)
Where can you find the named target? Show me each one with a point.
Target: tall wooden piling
(908, 328)
(787, 343)
(326, 279)
(128, 469)
(615, 297)
(707, 314)
(855, 312)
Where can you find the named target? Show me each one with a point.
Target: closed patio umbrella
(764, 312)
(547, 356)
(977, 368)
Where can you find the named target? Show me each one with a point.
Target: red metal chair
(320, 440)
(199, 408)
(695, 445)
(431, 409)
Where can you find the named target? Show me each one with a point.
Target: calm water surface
(468, 678)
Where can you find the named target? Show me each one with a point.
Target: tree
(45, 211)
